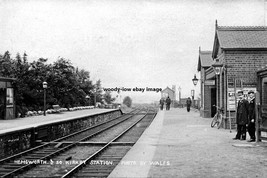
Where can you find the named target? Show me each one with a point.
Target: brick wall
(207, 97)
(244, 64)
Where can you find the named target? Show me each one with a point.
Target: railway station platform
(182, 144)
(34, 121)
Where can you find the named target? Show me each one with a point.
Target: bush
(127, 101)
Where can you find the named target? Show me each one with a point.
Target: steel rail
(28, 166)
(86, 161)
(59, 139)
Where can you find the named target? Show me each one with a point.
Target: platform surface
(34, 121)
(182, 144)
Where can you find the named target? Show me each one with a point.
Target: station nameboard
(209, 82)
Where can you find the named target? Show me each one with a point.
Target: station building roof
(240, 38)
(167, 89)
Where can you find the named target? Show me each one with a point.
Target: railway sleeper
(11, 165)
(31, 158)
(92, 175)
(43, 152)
(46, 150)
(107, 159)
(10, 168)
(51, 149)
(96, 171)
(3, 172)
(95, 168)
(38, 155)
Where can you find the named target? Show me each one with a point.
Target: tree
(25, 60)
(108, 98)
(7, 65)
(85, 87)
(127, 101)
(98, 91)
(67, 86)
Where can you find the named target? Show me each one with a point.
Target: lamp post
(44, 87)
(195, 80)
(193, 95)
(95, 98)
(87, 98)
(179, 89)
(217, 67)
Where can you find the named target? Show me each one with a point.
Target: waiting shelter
(7, 104)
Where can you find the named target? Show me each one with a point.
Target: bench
(56, 108)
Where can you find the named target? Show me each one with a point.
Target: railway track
(107, 158)
(36, 161)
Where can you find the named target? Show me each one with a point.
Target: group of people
(168, 103)
(245, 117)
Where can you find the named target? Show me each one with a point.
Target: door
(2, 103)
(263, 123)
(213, 101)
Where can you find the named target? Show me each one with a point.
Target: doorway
(2, 103)
(213, 101)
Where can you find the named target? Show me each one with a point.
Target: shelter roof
(204, 59)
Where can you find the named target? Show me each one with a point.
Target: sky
(124, 43)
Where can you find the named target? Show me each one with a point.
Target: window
(9, 97)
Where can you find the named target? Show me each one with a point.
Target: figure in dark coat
(251, 116)
(161, 102)
(188, 104)
(241, 117)
(168, 103)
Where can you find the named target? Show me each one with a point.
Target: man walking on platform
(188, 104)
(161, 102)
(168, 103)
(241, 117)
(251, 116)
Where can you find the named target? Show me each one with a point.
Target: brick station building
(241, 50)
(169, 92)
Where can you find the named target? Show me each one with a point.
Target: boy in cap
(241, 117)
(251, 116)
